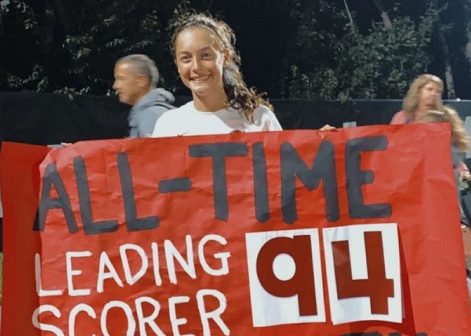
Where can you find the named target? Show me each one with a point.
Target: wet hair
(239, 96)
(142, 65)
(459, 136)
(412, 99)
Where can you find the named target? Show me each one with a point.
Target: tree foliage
(70, 46)
(291, 48)
(344, 62)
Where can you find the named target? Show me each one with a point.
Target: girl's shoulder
(266, 118)
(263, 111)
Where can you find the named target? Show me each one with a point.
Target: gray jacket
(148, 109)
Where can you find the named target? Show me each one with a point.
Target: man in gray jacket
(136, 77)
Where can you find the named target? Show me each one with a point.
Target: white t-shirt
(186, 120)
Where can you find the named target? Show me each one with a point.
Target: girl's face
(430, 95)
(200, 61)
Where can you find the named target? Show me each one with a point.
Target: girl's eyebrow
(187, 52)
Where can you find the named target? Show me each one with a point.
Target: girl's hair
(412, 99)
(459, 136)
(239, 96)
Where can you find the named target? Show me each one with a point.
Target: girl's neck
(210, 103)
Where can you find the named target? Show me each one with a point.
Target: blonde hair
(412, 98)
(239, 96)
(459, 136)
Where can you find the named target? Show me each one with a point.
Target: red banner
(353, 232)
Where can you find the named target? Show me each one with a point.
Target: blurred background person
(136, 78)
(424, 94)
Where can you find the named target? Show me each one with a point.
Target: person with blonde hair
(459, 137)
(424, 94)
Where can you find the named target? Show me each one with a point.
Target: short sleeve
(267, 119)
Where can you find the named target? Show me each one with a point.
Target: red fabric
(412, 174)
(400, 118)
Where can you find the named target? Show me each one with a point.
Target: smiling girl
(208, 64)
